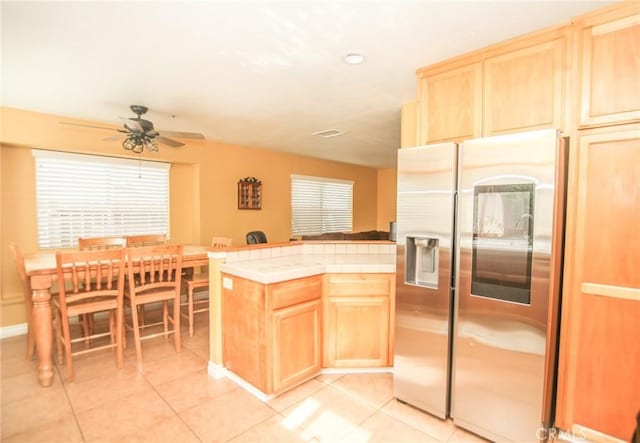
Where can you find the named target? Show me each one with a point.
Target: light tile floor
(175, 400)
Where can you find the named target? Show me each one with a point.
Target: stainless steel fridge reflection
(479, 241)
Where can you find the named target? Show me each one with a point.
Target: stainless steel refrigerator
(479, 241)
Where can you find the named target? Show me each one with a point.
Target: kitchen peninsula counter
(289, 311)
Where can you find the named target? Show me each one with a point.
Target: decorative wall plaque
(249, 193)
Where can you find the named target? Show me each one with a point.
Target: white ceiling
(263, 73)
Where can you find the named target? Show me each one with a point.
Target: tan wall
(203, 191)
(184, 203)
(408, 124)
(387, 192)
(18, 224)
(222, 166)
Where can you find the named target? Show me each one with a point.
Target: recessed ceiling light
(327, 133)
(353, 58)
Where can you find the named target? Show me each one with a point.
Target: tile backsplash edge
(326, 248)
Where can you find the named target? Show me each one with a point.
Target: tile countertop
(281, 263)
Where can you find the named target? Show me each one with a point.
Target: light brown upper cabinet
(513, 86)
(609, 66)
(450, 106)
(523, 88)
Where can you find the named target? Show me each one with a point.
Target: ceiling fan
(141, 134)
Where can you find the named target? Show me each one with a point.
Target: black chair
(255, 237)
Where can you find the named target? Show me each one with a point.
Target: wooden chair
(154, 275)
(146, 240)
(94, 244)
(141, 241)
(28, 301)
(198, 281)
(89, 282)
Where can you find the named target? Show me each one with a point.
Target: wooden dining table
(41, 271)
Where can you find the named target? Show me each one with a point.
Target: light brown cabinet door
(610, 67)
(450, 106)
(523, 88)
(357, 332)
(600, 352)
(296, 343)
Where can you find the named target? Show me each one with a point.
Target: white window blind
(320, 205)
(93, 196)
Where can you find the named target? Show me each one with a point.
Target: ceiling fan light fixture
(138, 143)
(150, 145)
(130, 145)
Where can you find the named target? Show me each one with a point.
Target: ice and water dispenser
(421, 265)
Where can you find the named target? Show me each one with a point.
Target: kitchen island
(286, 312)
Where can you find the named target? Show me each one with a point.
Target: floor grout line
(171, 407)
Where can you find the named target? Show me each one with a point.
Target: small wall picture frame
(249, 193)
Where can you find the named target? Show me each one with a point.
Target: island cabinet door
(357, 320)
(296, 343)
(357, 332)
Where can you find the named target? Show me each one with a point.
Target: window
(92, 196)
(320, 205)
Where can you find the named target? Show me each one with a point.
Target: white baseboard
(216, 371)
(582, 433)
(21, 328)
(249, 387)
(366, 370)
(13, 330)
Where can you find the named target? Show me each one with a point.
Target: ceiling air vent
(328, 133)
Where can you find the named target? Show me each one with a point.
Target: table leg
(43, 332)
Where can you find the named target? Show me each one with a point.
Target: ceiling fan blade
(131, 124)
(88, 126)
(168, 142)
(114, 138)
(194, 135)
